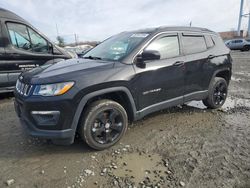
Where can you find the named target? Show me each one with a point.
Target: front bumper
(60, 129)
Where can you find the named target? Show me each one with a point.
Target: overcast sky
(98, 19)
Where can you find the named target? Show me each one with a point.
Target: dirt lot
(186, 146)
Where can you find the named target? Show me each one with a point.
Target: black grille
(22, 88)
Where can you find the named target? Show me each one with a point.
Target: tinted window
(19, 36)
(194, 44)
(26, 39)
(167, 46)
(209, 41)
(238, 41)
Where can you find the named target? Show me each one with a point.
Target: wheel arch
(246, 45)
(224, 73)
(122, 95)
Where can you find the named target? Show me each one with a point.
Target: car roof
(175, 28)
(10, 15)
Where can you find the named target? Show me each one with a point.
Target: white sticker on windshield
(140, 35)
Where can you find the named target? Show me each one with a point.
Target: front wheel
(104, 124)
(217, 93)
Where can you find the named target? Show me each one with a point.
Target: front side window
(193, 44)
(19, 36)
(167, 46)
(27, 39)
(39, 44)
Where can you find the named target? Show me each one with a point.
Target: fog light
(46, 118)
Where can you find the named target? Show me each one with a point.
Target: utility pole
(240, 16)
(57, 30)
(76, 39)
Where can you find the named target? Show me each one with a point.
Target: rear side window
(193, 44)
(25, 38)
(168, 46)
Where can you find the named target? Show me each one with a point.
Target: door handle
(178, 63)
(211, 56)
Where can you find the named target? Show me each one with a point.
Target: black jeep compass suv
(123, 79)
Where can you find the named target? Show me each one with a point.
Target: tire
(246, 48)
(103, 124)
(217, 93)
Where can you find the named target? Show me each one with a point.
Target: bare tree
(61, 41)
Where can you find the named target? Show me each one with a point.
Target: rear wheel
(246, 48)
(104, 123)
(217, 93)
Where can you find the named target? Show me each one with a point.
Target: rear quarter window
(193, 44)
(218, 41)
(209, 41)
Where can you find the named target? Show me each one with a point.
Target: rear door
(27, 49)
(196, 65)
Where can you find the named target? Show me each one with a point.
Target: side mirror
(150, 55)
(55, 50)
(50, 48)
(147, 55)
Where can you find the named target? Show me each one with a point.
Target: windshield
(116, 47)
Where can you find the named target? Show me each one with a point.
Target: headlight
(53, 89)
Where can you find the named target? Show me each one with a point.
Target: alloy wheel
(107, 126)
(220, 93)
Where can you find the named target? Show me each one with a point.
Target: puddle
(140, 167)
(235, 102)
(229, 104)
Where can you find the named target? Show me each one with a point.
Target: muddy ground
(186, 146)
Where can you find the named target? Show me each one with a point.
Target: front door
(26, 50)
(160, 83)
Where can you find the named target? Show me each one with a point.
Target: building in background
(233, 34)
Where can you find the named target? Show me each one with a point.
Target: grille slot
(23, 89)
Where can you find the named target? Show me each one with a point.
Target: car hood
(64, 70)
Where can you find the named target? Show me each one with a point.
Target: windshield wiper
(91, 57)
